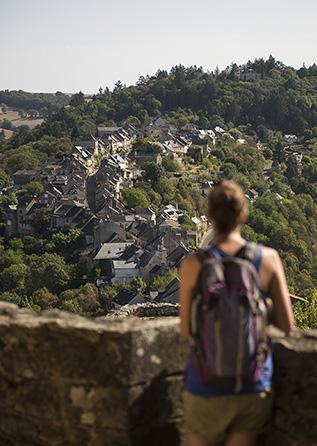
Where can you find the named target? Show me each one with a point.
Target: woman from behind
(225, 410)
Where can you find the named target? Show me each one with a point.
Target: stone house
(123, 271)
(23, 177)
(143, 158)
(116, 138)
(25, 209)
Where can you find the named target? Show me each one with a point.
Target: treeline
(34, 101)
(284, 99)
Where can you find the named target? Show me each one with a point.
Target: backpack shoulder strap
(203, 254)
(252, 252)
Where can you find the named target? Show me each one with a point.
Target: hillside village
(84, 191)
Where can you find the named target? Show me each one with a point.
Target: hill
(256, 124)
(24, 100)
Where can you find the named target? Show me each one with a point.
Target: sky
(73, 45)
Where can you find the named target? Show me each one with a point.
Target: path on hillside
(206, 238)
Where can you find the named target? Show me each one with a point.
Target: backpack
(228, 319)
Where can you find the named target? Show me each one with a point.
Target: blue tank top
(192, 382)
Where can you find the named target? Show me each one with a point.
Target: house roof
(138, 300)
(145, 258)
(177, 255)
(122, 264)
(129, 252)
(73, 211)
(107, 129)
(124, 297)
(170, 294)
(144, 211)
(110, 251)
(156, 268)
(28, 172)
(89, 224)
(25, 200)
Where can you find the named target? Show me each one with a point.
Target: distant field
(7, 133)
(13, 116)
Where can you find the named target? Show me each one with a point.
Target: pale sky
(72, 45)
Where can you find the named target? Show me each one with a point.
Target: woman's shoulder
(270, 257)
(189, 270)
(269, 252)
(191, 261)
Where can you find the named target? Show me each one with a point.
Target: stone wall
(66, 380)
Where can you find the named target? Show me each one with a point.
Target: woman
(213, 416)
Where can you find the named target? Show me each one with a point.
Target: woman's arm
(188, 274)
(283, 312)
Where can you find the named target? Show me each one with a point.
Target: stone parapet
(70, 381)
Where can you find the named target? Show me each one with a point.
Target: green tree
(77, 99)
(13, 278)
(65, 242)
(22, 158)
(34, 188)
(171, 165)
(166, 188)
(9, 199)
(44, 299)
(3, 179)
(135, 197)
(306, 312)
(47, 271)
(152, 173)
(161, 282)
(138, 285)
(41, 221)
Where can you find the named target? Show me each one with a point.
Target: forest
(41, 102)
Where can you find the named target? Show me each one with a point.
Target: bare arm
(279, 292)
(188, 274)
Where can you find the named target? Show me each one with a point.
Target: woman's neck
(233, 236)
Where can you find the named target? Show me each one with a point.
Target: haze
(73, 45)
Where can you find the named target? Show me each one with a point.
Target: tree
(161, 282)
(68, 241)
(138, 285)
(6, 124)
(166, 188)
(135, 197)
(22, 158)
(186, 223)
(13, 278)
(33, 245)
(47, 271)
(306, 312)
(84, 267)
(9, 199)
(83, 300)
(171, 165)
(152, 173)
(78, 99)
(41, 221)
(44, 299)
(34, 188)
(3, 179)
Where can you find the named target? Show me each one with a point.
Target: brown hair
(227, 206)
